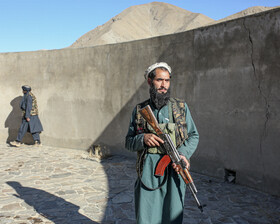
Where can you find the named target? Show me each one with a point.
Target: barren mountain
(246, 12)
(143, 21)
(150, 20)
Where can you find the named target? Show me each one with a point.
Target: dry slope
(143, 21)
(246, 12)
(150, 20)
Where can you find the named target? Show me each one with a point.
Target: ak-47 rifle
(172, 154)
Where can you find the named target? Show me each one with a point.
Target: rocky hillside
(150, 20)
(246, 12)
(143, 21)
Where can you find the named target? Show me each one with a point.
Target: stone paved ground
(55, 185)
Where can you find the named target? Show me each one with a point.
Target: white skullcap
(157, 65)
(26, 88)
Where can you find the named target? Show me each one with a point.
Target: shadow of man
(54, 208)
(14, 120)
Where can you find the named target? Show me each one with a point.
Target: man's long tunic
(34, 126)
(164, 205)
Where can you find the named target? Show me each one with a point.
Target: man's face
(23, 91)
(161, 81)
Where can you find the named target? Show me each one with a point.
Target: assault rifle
(172, 154)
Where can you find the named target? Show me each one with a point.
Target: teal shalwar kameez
(166, 204)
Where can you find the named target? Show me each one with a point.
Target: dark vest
(177, 112)
(179, 118)
(34, 110)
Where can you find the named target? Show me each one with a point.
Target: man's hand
(176, 168)
(28, 119)
(152, 140)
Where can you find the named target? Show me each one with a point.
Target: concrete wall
(228, 73)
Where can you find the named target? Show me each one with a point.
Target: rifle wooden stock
(149, 116)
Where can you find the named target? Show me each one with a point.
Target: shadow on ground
(45, 204)
(13, 122)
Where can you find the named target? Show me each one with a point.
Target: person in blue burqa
(30, 119)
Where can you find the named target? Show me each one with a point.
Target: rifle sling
(140, 174)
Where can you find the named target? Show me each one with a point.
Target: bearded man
(30, 119)
(160, 200)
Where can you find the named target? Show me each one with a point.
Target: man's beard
(159, 99)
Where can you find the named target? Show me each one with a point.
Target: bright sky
(29, 25)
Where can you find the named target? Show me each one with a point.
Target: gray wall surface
(228, 74)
